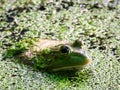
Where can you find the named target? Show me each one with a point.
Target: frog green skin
(55, 55)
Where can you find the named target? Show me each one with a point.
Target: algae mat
(97, 24)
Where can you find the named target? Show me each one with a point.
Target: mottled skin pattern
(56, 55)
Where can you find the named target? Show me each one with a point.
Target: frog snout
(87, 58)
(84, 57)
(84, 54)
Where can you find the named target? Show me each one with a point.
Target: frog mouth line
(68, 68)
(73, 67)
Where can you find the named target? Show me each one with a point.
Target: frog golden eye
(64, 49)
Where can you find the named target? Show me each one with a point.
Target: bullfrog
(55, 55)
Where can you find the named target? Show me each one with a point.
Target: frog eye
(64, 49)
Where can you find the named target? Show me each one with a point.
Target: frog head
(68, 56)
(55, 55)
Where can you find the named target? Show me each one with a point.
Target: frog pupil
(65, 49)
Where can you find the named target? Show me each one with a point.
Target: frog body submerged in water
(55, 55)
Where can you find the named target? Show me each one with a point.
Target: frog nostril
(64, 49)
